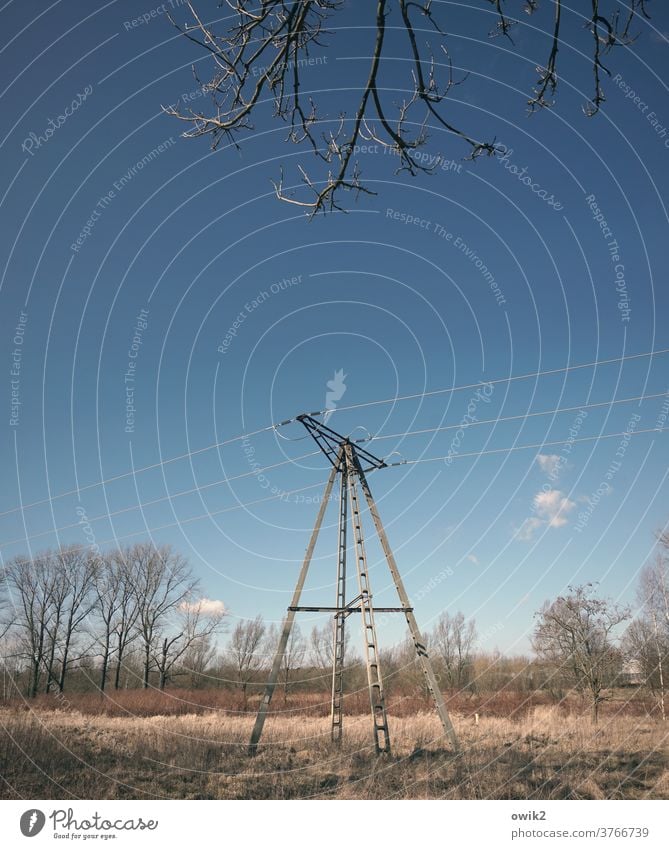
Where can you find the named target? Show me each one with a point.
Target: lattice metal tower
(347, 461)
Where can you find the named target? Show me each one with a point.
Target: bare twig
(262, 53)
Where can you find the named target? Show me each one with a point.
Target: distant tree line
(135, 617)
(77, 608)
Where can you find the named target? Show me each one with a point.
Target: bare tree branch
(261, 56)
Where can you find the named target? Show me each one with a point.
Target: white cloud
(553, 506)
(549, 463)
(206, 607)
(473, 559)
(550, 508)
(527, 529)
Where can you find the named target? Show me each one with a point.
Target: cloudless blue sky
(192, 237)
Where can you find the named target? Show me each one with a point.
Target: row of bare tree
(252, 643)
(140, 609)
(67, 606)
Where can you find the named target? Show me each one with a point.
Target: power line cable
(456, 456)
(453, 456)
(285, 422)
(512, 418)
(496, 381)
(162, 498)
(281, 495)
(255, 472)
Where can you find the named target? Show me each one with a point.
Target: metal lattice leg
(336, 714)
(419, 642)
(376, 695)
(290, 617)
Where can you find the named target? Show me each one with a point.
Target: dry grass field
(546, 752)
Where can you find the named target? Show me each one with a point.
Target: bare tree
(574, 634)
(5, 615)
(30, 584)
(261, 55)
(648, 636)
(200, 657)
(195, 623)
(77, 569)
(321, 646)
(52, 598)
(452, 641)
(59, 590)
(125, 563)
(11, 658)
(245, 650)
(116, 608)
(293, 657)
(162, 581)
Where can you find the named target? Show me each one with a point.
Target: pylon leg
(290, 617)
(374, 678)
(418, 641)
(336, 713)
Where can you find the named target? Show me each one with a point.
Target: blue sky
(396, 295)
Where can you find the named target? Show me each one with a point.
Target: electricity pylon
(347, 460)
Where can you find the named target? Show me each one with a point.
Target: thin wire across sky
(342, 408)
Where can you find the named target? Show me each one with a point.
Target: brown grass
(182, 702)
(545, 753)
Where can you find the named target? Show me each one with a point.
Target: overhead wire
(258, 471)
(453, 456)
(143, 504)
(458, 455)
(274, 427)
(283, 495)
(495, 381)
(522, 416)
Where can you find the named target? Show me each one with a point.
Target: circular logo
(32, 822)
